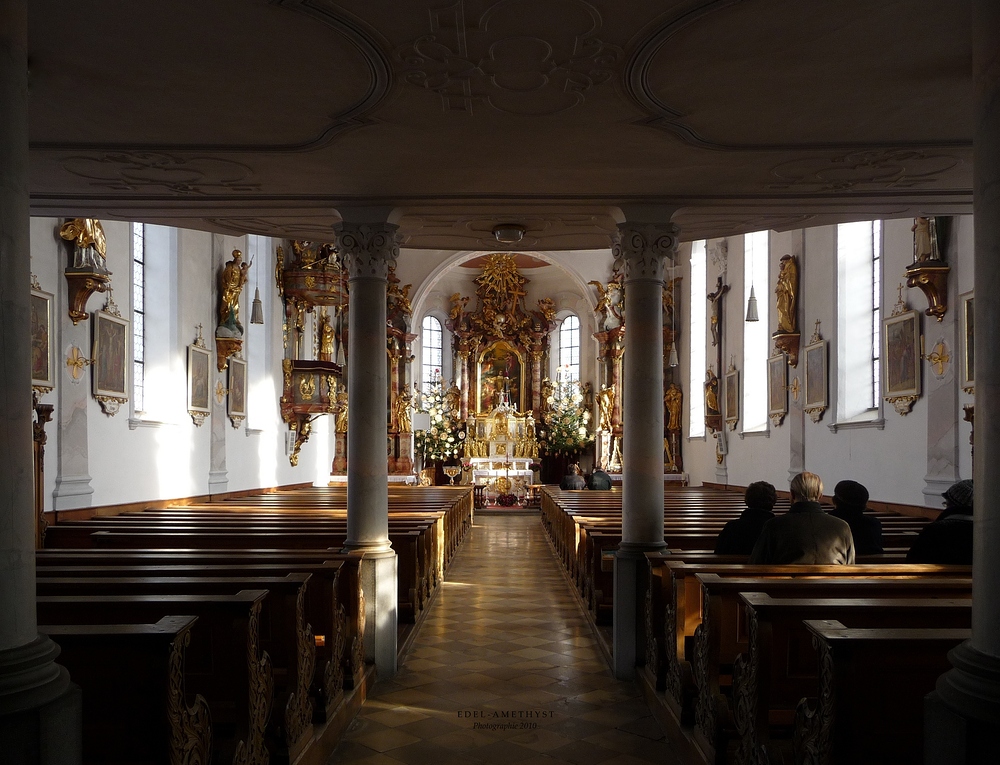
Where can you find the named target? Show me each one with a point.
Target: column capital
(367, 249)
(643, 248)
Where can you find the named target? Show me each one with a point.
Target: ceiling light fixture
(508, 233)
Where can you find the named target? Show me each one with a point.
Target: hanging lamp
(752, 300)
(673, 361)
(257, 308)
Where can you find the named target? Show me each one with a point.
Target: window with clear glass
(696, 321)
(569, 348)
(138, 317)
(431, 353)
(756, 258)
(859, 316)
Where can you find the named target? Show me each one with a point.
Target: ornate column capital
(642, 249)
(367, 249)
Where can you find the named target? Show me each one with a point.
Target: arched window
(859, 319)
(699, 329)
(138, 317)
(431, 354)
(756, 335)
(569, 348)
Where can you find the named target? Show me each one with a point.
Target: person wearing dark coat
(739, 536)
(600, 481)
(948, 539)
(805, 534)
(850, 500)
(573, 479)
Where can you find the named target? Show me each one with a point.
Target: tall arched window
(432, 352)
(138, 317)
(569, 348)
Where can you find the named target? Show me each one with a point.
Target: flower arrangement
(565, 422)
(443, 440)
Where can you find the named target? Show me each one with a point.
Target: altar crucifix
(715, 298)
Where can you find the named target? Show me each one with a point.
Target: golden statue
(458, 304)
(711, 393)
(453, 401)
(326, 336)
(606, 400)
(672, 401)
(400, 297)
(279, 266)
(402, 407)
(786, 292)
(548, 309)
(234, 277)
(91, 243)
(340, 422)
(925, 244)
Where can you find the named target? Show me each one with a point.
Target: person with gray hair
(805, 534)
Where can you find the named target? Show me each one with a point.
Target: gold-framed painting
(901, 360)
(500, 371)
(817, 394)
(732, 397)
(199, 360)
(968, 342)
(42, 367)
(237, 406)
(111, 356)
(777, 388)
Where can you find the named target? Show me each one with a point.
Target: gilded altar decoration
(786, 337)
(901, 357)
(713, 415)
(606, 400)
(229, 332)
(499, 450)
(672, 401)
(88, 270)
(939, 358)
(610, 303)
(309, 390)
(404, 423)
(928, 271)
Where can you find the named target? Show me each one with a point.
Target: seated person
(850, 499)
(805, 534)
(949, 538)
(599, 480)
(573, 479)
(739, 536)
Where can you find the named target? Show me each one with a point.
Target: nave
(504, 638)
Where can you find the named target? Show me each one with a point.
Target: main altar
(499, 449)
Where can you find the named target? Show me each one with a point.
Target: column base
(379, 587)
(71, 492)
(962, 716)
(629, 621)
(40, 710)
(218, 481)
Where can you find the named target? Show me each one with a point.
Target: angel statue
(605, 306)
(607, 403)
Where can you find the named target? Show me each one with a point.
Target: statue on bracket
(229, 333)
(786, 291)
(89, 270)
(928, 271)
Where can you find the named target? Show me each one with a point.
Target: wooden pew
(780, 665)
(225, 661)
(872, 684)
(135, 705)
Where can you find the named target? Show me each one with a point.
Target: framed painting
(901, 354)
(968, 358)
(199, 364)
(42, 376)
(237, 409)
(777, 388)
(817, 392)
(499, 374)
(111, 350)
(732, 397)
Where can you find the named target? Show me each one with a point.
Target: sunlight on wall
(320, 442)
(174, 458)
(262, 396)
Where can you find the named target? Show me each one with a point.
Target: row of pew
(230, 631)
(774, 664)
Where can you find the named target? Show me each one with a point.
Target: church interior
(323, 302)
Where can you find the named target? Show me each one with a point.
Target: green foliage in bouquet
(566, 424)
(443, 440)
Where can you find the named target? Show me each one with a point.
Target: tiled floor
(504, 670)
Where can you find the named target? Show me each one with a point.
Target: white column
(367, 251)
(643, 250)
(218, 472)
(36, 698)
(964, 715)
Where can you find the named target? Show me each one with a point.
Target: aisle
(504, 670)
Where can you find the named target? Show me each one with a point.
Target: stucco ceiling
(274, 116)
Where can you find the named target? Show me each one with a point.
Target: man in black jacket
(805, 534)
(850, 500)
(573, 479)
(949, 538)
(739, 536)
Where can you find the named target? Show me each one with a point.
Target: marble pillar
(39, 707)
(218, 472)
(643, 250)
(368, 249)
(963, 715)
(73, 488)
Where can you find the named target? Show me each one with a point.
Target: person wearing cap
(948, 539)
(850, 500)
(805, 534)
(740, 535)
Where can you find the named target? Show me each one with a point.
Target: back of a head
(760, 495)
(850, 495)
(958, 497)
(574, 469)
(806, 486)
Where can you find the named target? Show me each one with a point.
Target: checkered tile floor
(504, 670)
